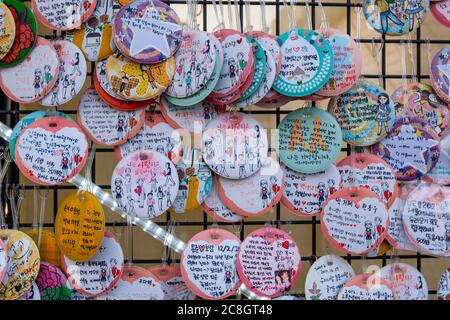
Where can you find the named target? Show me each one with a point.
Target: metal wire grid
(11, 112)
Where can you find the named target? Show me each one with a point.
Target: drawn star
(445, 69)
(144, 35)
(410, 143)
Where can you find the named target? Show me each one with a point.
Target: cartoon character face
(76, 150)
(113, 262)
(447, 227)
(227, 267)
(383, 98)
(170, 145)
(321, 186)
(118, 182)
(38, 73)
(331, 183)
(160, 149)
(121, 116)
(127, 171)
(65, 154)
(150, 196)
(231, 62)
(263, 183)
(377, 221)
(385, 186)
(47, 68)
(368, 224)
(240, 55)
(140, 182)
(273, 180)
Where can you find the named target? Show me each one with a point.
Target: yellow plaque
(48, 249)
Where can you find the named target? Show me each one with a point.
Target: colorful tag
(269, 262)
(365, 113)
(26, 33)
(369, 171)
(270, 44)
(147, 31)
(195, 61)
(100, 72)
(7, 29)
(191, 118)
(426, 218)
(411, 148)
(32, 294)
(33, 78)
(154, 135)
(254, 195)
(63, 15)
(366, 287)
(195, 184)
(307, 62)
(306, 194)
(347, 62)
(395, 18)
(443, 291)
(216, 209)
(235, 145)
(71, 76)
(440, 73)
(136, 283)
(208, 264)
(105, 125)
(355, 220)
(309, 140)
(406, 281)
(420, 100)
(441, 11)
(99, 274)
(145, 184)
(396, 235)
(440, 174)
(22, 264)
(237, 62)
(80, 226)
(51, 150)
(326, 277)
(94, 37)
(26, 121)
(173, 283)
(52, 283)
(48, 248)
(136, 81)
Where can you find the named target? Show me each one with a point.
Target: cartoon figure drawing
(242, 62)
(387, 194)
(114, 271)
(207, 52)
(331, 188)
(77, 157)
(73, 92)
(121, 124)
(188, 81)
(383, 113)
(241, 164)
(379, 226)
(169, 146)
(259, 144)
(413, 9)
(377, 190)
(321, 194)
(150, 205)
(139, 190)
(66, 84)
(76, 65)
(232, 72)
(153, 182)
(229, 276)
(118, 191)
(65, 163)
(220, 168)
(198, 74)
(369, 233)
(160, 196)
(169, 200)
(179, 71)
(275, 188)
(127, 177)
(103, 279)
(129, 208)
(447, 236)
(386, 14)
(48, 77)
(168, 175)
(38, 81)
(265, 193)
(55, 91)
(419, 287)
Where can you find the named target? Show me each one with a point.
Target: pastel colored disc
(269, 251)
(195, 183)
(306, 64)
(270, 43)
(105, 125)
(80, 226)
(147, 31)
(136, 283)
(51, 150)
(395, 18)
(366, 287)
(237, 63)
(354, 220)
(173, 283)
(443, 291)
(396, 235)
(440, 73)
(94, 37)
(32, 294)
(48, 248)
(3, 259)
(191, 118)
(26, 33)
(105, 92)
(63, 15)
(216, 209)
(235, 145)
(33, 78)
(99, 274)
(26, 121)
(420, 100)
(406, 281)
(156, 134)
(71, 76)
(426, 218)
(138, 82)
(7, 29)
(309, 140)
(440, 173)
(369, 171)
(145, 184)
(254, 195)
(274, 101)
(22, 264)
(195, 61)
(411, 148)
(326, 277)
(347, 62)
(306, 194)
(208, 264)
(441, 11)
(52, 283)
(365, 113)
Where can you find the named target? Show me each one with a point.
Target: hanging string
(403, 60)
(237, 15)
(290, 9)
(43, 195)
(308, 15)
(249, 27)
(428, 44)
(130, 240)
(230, 14)
(264, 26)
(376, 53)
(323, 19)
(411, 60)
(88, 171)
(358, 11)
(219, 15)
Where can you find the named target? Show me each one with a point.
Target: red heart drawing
(201, 248)
(315, 195)
(239, 41)
(296, 49)
(341, 245)
(303, 202)
(285, 244)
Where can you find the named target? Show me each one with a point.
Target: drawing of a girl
(139, 190)
(386, 14)
(118, 191)
(413, 9)
(384, 112)
(168, 174)
(37, 81)
(232, 71)
(265, 193)
(121, 123)
(368, 233)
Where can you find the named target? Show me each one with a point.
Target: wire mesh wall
(306, 231)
